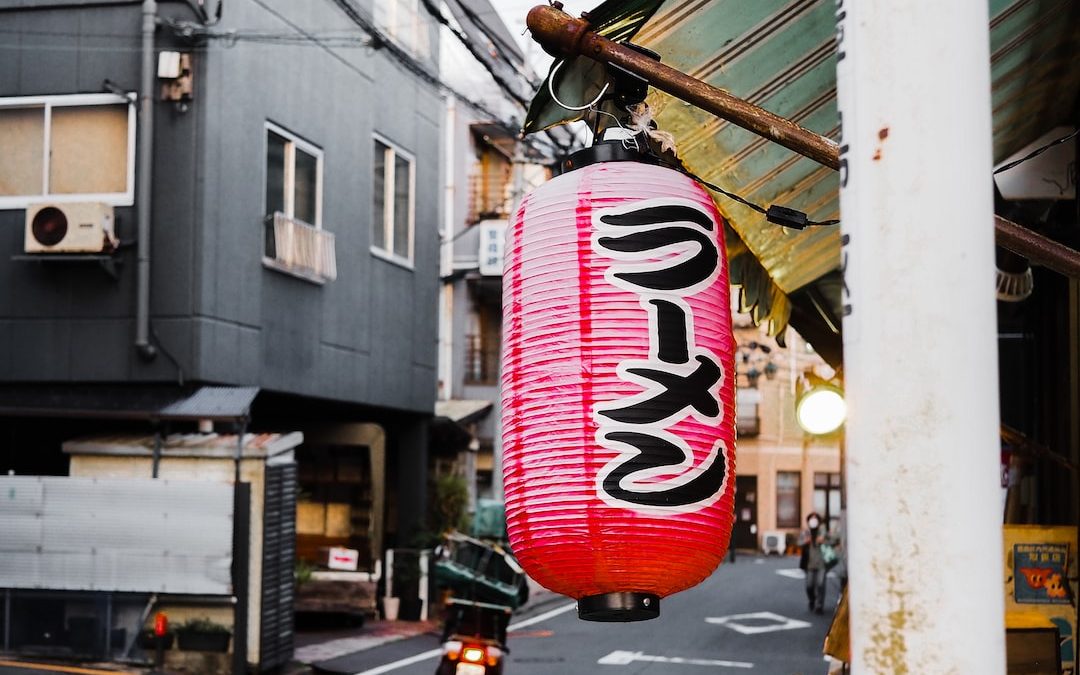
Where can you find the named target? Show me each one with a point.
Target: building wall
(368, 337)
(780, 445)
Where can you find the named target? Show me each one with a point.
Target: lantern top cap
(613, 150)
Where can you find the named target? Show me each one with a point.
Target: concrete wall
(368, 337)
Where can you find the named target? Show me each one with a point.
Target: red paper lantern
(618, 387)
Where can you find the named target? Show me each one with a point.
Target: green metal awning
(781, 56)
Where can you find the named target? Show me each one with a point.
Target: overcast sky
(513, 14)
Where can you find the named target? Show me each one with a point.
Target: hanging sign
(618, 387)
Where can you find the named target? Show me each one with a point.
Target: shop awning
(781, 56)
(462, 411)
(151, 402)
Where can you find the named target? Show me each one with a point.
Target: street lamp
(820, 409)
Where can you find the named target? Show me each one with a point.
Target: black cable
(507, 88)
(1035, 153)
(781, 215)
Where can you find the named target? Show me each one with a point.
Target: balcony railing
(294, 247)
(481, 362)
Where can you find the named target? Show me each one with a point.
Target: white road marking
(417, 658)
(432, 653)
(562, 609)
(792, 573)
(622, 658)
(735, 622)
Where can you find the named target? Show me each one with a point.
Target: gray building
(230, 194)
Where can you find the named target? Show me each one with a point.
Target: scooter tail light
(473, 654)
(493, 656)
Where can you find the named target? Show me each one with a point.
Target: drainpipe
(446, 256)
(144, 168)
(920, 338)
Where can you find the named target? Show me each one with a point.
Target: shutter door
(279, 556)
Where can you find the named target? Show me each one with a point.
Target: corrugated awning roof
(151, 403)
(781, 56)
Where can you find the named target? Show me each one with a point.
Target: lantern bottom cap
(619, 607)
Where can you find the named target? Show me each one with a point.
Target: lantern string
(781, 215)
(551, 91)
(641, 122)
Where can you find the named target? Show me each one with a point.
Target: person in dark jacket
(814, 561)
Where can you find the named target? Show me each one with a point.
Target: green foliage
(302, 572)
(202, 625)
(451, 507)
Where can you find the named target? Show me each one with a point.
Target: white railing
(302, 249)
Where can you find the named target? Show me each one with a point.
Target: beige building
(782, 473)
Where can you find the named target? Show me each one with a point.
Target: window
(392, 202)
(293, 177)
(827, 496)
(295, 241)
(407, 23)
(788, 509)
(67, 148)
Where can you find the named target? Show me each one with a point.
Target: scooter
(474, 638)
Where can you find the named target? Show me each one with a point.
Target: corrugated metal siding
(115, 535)
(279, 556)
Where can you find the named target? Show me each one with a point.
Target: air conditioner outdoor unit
(78, 227)
(774, 541)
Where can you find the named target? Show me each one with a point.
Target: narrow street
(750, 616)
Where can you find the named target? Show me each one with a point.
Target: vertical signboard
(492, 243)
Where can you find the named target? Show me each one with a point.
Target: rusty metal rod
(1037, 248)
(563, 36)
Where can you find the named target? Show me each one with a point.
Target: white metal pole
(422, 590)
(920, 351)
(446, 254)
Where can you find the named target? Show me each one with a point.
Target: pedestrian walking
(817, 558)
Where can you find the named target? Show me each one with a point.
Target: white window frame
(47, 103)
(292, 142)
(393, 150)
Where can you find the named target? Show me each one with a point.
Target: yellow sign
(1039, 562)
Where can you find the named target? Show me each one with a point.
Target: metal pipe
(144, 178)
(155, 463)
(563, 36)
(1037, 248)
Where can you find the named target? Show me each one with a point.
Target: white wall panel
(117, 535)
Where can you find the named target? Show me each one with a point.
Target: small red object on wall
(618, 387)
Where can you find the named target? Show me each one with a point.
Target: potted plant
(203, 635)
(148, 640)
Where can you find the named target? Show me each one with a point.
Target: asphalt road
(704, 628)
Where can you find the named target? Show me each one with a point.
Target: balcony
(481, 362)
(299, 249)
(747, 418)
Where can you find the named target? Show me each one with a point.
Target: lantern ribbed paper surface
(618, 386)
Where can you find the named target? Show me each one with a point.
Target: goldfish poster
(1041, 577)
(1040, 561)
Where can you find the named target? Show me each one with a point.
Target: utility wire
(1035, 153)
(507, 88)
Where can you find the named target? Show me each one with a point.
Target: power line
(1035, 153)
(507, 88)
